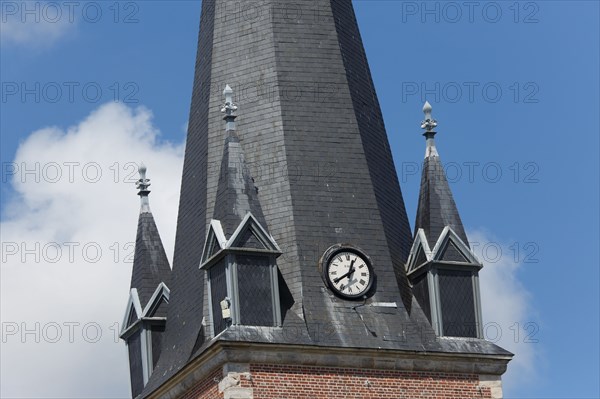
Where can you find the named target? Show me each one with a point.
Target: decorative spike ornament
(229, 109)
(429, 123)
(142, 185)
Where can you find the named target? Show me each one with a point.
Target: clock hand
(337, 280)
(352, 269)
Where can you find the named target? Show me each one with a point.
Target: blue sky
(514, 87)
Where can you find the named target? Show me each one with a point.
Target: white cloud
(80, 191)
(508, 319)
(35, 23)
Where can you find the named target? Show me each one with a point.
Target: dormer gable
(250, 236)
(133, 311)
(156, 306)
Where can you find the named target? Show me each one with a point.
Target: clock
(347, 271)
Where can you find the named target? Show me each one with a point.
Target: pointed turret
(146, 311)
(442, 268)
(437, 208)
(236, 192)
(238, 244)
(150, 263)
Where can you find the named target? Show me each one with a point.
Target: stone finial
(142, 185)
(229, 109)
(429, 124)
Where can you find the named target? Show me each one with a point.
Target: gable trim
(133, 305)
(446, 237)
(250, 223)
(420, 243)
(162, 291)
(444, 240)
(215, 231)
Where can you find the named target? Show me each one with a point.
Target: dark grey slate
(437, 208)
(150, 263)
(315, 143)
(453, 254)
(236, 193)
(377, 150)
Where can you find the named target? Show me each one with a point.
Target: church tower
(293, 275)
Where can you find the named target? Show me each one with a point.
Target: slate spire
(436, 208)
(313, 132)
(236, 193)
(150, 263)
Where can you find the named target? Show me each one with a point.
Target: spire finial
(429, 123)
(229, 109)
(142, 185)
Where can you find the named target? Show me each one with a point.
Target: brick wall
(300, 382)
(208, 388)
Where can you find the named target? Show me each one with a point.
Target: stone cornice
(219, 353)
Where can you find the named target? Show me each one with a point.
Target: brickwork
(208, 388)
(295, 382)
(300, 382)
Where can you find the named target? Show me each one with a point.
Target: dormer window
(242, 276)
(446, 284)
(143, 331)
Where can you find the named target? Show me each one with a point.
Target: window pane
(458, 306)
(255, 296)
(218, 288)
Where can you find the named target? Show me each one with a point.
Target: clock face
(348, 273)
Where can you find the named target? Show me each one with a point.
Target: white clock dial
(349, 274)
